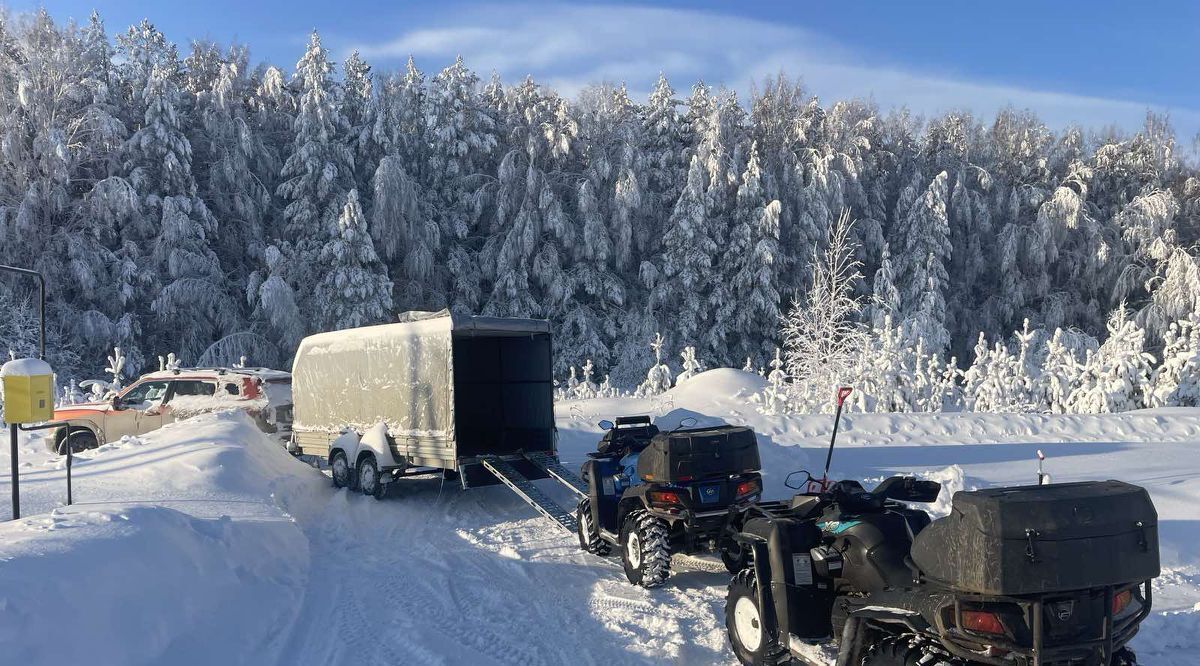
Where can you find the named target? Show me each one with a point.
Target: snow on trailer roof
(423, 323)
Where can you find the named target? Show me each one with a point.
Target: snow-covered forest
(190, 200)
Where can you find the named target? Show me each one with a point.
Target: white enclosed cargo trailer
(436, 390)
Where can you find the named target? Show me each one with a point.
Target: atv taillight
(982, 622)
(748, 488)
(664, 497)
(1121, 601)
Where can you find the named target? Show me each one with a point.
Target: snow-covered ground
(206, 543)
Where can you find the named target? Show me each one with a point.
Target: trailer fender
(375, 440)
(347, 443)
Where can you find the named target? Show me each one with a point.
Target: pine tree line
(204, 205)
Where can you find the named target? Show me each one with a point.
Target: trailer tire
(368, 478)
(905, 650)
(340, 470)
(743, 622)
(589, 534)
(645, 549)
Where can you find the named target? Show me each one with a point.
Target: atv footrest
(556, 469)
(525, 489)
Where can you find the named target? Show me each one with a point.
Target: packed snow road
(206, 543)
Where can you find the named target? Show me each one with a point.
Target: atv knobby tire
(645, 549)
(744, 622)
(905, 650)
(735, 557)
(589, 534)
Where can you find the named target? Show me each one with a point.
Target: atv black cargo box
(688, 455)
(1040, 539)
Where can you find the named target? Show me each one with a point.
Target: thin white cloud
(570, 47)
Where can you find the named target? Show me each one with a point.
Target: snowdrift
(175, 554)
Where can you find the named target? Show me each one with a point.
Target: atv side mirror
(797, 485)
(605, 424)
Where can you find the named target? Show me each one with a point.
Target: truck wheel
(82, 439)
(904, 651)
(735, 557)
(645, 549)
(340, 469)
(589, 534)
(368, 478)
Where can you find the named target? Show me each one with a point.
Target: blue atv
(652, 494)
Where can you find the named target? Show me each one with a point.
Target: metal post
(41, 306)
(16, 490)
(70, 458)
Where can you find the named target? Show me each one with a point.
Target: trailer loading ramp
(526, 490)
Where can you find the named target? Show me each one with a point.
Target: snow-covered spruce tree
(659, 378)
(883, 371)
(1115, 377)
(193, 284)
(922, 276)
(356, 290)
(822, 335)
(776, 397)
(228, 182)
(532, 233)
(752, 268)
(587, 326)
(663, 149)
(317, 174)
(461, 140)
(691, 365)
(885, 299)
(360, 110)
(585, 388)
(680, 295)
(1176, 383)
(1061, 369)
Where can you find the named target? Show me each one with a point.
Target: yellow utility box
(28, 391)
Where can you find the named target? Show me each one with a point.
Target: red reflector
(982, 621)
(747, 487)
(685, 478)
(665, 497)
(1121, 600)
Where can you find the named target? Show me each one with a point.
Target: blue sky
(1095, 63)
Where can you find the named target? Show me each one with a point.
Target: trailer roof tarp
(401, 374)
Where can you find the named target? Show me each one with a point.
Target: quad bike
(1041, 575)
(652, 494)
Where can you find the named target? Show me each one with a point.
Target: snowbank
(177, 551)
(146, 584)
